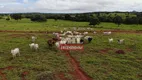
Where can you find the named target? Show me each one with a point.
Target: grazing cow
(15, 51)
(34, 46)
(73, 40)
(78, 40)
(110, 40)
(107, 33)
(81, 41)
(57, 44)
(56, 39)
(33, 38)
(51, 42)
(120, 41)
(85, 33)
(94, 32)
(90, 39)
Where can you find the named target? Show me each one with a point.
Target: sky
(68, 6)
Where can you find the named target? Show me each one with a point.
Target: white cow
(15, 51)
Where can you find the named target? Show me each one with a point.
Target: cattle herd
(65, 37)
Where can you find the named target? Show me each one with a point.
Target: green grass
(52, 25)
(121, 27)
(34, 62)
(109, 65)
(27, 25)
(98, 65)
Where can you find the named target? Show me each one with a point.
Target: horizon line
(66, 12)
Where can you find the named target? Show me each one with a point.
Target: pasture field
(34, 63)
(27, 25)
(99, 59)
(52, 25)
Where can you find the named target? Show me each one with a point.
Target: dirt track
(79, 74)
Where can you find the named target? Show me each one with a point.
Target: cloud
(1, 6)
(7, 1)
(25, 1)
(69, 5)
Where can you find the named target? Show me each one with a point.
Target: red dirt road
(78, 73)
(3, 75)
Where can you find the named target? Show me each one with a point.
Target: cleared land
(99, 59)
(52, 25)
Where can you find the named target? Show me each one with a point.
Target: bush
(38, 18)
(1, 17)
(8, 18)
(16, 16)
(117, 20)
(94, 21)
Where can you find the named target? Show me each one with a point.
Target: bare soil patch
(78, 73)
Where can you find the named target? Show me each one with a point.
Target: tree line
(94, 18)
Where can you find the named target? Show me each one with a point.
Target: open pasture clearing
(30, 62)
(98, 60)
(52, 25)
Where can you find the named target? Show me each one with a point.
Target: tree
(140, 20)
(82, 17)
(109, 19)
(131, 20)
(94, 21)
(127, 20)
(8, 18)
(56, 18)
(38, 18)
(135, 20)
(103, 18)
(139, 14)
(1, 17)
(67, 17)
(16, 16)
(117, 20)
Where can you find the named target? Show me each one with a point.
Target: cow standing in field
(120, 41)
(15, 51)
(90, 39)
(81, 41)
(51, 42)
(33, 38)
